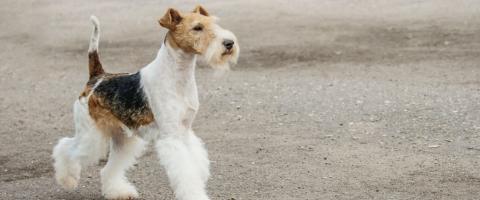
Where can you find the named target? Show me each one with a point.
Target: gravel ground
(331, 99)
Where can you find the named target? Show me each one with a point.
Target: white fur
(199, 153)
(95, 38)
(171, 90)
(85, 148)
(170, 86)
(213, 55)
(187, 175)
(114, 182)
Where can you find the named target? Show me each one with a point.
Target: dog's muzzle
(228, 44)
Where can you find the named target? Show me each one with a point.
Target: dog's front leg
(185, 160)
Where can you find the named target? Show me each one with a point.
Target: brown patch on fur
(109, 124)
(105, 121)
(102, 108)
(191, 32)
(94, 66)
(85, 92)
(144, 119)
(141, 119)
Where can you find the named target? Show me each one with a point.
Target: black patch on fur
(125, 98)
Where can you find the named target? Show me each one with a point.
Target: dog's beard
(219, 58)
(216, 55)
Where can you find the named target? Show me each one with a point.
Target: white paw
(67, 182)
(120, 190)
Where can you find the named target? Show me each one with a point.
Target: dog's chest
(189, 103)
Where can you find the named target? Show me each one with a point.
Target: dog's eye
(198, 28)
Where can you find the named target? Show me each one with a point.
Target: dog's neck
(172, 72)
(175, 58)
(171, 63)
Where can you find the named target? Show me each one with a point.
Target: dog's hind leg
(123, 152)
(85, 148)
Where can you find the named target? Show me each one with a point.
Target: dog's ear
(200, 10)
(171, 19)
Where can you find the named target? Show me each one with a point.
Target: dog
(116, 113)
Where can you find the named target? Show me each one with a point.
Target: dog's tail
(94, 66)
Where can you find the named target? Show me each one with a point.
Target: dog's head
(197, 32)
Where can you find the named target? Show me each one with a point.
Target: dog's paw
(67, 182)
(120, 191)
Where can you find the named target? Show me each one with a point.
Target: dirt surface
(333, 99)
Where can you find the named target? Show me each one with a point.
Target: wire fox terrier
(160, 101)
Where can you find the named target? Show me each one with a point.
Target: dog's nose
(228, 44)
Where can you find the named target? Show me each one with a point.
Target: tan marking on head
(200, 10)
(192, 32)
(171, 19)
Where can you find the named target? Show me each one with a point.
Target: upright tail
(94, 66)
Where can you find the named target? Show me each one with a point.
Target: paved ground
(331, 99)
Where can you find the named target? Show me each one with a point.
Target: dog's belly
(122, 97)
